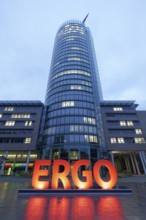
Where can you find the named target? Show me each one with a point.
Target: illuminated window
(71, 128)
(9, 109)
(34, 156)
(130, 123)
(76, 128)
(121, 140)
(139, 140)
(28, 123)
(9, 123)
(90, 138)
(77, 59)
(123, 123)
(71, 72)
(55, 155)
(138, 131)
(70, 30)
(0, 115)
(118, 109)
(69, 39)
(89, 120)
(76, 87)
(75, 48)
(86, 83)
(68, 103)
(74, 155)
(74, 58)
(82, 128)
(113, 140)
(20, 116)
(27, 140)
(117, 140)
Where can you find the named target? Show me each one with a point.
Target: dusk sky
(27, 33)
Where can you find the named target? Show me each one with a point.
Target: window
(9, 109)
(71, 72)
(20, 116)
(118, 109)
(113, 140)
(86, 83)
(126, 123)
(121, 140)
(77, 48)
(89, 120)
(71, 128)
(9, 123)
(70, 39)
(74, 155)
(139, 140)
(59, 139)
(50, 130)
(77, 59)
(68, 104)
(90, 138)
(27, 140)
(55, 154)
(79, 87)
(81, 128)
(28, 123)
(74, 58)
(138, 131)
(76, 87)
(0, 115)
(130, 123)
(123, 123)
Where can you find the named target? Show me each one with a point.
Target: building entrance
(130, 163)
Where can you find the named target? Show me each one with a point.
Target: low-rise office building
(19, 132)
(125, 135)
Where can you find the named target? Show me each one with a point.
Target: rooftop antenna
(85, 18)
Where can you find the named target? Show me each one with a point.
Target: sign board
(57, 175)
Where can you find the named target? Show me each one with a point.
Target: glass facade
(73, 123)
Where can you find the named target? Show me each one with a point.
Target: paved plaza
(13, 207)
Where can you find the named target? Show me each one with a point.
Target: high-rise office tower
(73, 123)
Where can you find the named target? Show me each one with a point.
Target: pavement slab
(131, 207)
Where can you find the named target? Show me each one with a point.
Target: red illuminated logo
(37, 183)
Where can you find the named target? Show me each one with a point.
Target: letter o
(112, 172)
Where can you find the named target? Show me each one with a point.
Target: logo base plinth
(68, 192)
